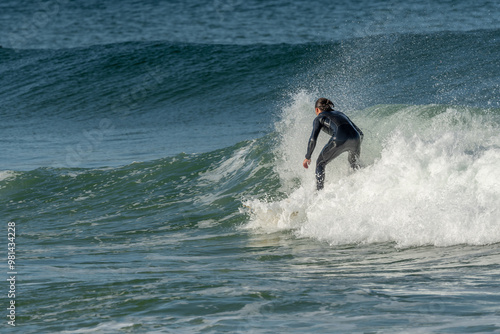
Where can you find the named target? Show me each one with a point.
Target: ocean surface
(151, 162)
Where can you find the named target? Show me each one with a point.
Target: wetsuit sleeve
(314, 136)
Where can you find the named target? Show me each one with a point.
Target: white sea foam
(7, 174)
(228, 167)
(221, 174)
(431, 176)
(108, 327)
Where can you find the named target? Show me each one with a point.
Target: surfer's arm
(314, 136)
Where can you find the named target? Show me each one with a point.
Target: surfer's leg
(354, 154)
(329, 152)
(320, 175)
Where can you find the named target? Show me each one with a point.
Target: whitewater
(429, 178)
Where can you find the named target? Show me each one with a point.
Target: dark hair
(324, 104)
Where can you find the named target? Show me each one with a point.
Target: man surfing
(345, 137)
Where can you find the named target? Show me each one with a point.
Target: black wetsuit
(346, 136)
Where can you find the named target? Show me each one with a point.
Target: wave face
(175, 189)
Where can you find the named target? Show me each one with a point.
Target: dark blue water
(151, 161)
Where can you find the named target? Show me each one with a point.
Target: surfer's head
(323, 104)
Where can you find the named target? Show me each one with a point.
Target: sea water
(152, 167)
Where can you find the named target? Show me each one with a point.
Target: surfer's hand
(306, 163)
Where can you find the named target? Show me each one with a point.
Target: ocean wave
(429, 178)
(122, 78)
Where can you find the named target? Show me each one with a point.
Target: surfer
(345, 137)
